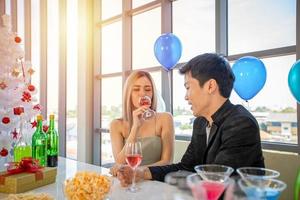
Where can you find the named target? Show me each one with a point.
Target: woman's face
(141, 87)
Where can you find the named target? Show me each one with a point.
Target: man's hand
(125, 175)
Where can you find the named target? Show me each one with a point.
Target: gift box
(25, 181)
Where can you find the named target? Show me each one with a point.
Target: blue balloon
(167, 50)
(294, 80)
(250, 76)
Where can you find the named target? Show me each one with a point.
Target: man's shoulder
(240, 112)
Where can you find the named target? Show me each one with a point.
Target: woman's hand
(137, 116)
(114, 169)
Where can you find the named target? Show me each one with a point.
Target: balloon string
(170, 89)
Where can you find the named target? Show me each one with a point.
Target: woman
(156, 134)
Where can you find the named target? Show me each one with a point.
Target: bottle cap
(51, 116)
(39, 117)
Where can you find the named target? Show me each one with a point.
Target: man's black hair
(211, 66)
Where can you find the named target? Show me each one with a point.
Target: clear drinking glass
(257, 172)
(210, 181)
(133, 153)
(146, 101)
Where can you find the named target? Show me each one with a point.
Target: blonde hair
(127, 103)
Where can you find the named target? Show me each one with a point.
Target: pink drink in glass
(134, 160)
(213, 189)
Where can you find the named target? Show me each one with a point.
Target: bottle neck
(51, 124)
(40, 126)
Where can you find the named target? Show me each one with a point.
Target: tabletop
(149, 190)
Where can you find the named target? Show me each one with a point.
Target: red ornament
(3, 85)
(33, 124)
(26, 97)
(45, 128)
(31, 88)
(18, 39)
(15, 134)
(3, 152)
(5, 120)
(37, 107)
(18, 110)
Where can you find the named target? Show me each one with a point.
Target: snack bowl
(87, 185)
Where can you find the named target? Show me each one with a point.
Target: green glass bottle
(52, 144)
(39, 143)
(22, 148)
(297, 187)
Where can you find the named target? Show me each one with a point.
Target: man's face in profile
(197, 97)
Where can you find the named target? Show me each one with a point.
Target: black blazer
(234, 140)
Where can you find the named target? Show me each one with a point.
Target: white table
(152, 190)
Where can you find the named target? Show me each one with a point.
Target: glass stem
(133, 180)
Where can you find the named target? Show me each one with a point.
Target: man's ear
(212, 86)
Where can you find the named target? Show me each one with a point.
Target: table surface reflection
(67, 168)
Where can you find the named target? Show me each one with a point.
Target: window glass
(111, 8)
(20, 21)
(7, 7)
(35, 45)
(274, 106)
(183, 117)
(257, 25)
(145, 31)
(72, 83)
(52, 57)
(111, 109)
(137, 3)
(195, 28)
(112, 48)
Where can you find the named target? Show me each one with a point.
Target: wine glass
(146, 101)
(133, 153)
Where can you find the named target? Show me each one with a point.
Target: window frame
(221, 37)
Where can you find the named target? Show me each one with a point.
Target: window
(195, 28)
(111, 8)
(52, 57)
(274, 104)
(269, 36)
(72, 82)
(265, 25)
(112, 48)
(145, 30)
(111, 108)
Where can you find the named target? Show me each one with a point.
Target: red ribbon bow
(27, 164)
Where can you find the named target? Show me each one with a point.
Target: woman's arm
(117, 139)
(167, 137)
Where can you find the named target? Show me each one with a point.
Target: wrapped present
(25, 175)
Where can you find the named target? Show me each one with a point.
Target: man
(223, 133)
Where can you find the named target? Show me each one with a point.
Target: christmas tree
(18, 106)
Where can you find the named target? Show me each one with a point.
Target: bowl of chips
(87, 186)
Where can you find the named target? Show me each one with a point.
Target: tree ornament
(45, 128)
(26, 97)
(3, 85)
(4, 152)
(18, 39)
(18, 110)
(15, 134)
(31, 88)
(15, 72)
(33, 124)
(30, 71)
(5, 120)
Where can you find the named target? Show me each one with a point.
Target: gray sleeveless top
(151, 148)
